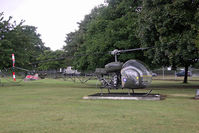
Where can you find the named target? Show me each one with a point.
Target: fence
(160, 74)
(164, 74)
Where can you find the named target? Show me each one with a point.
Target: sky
(53, 18)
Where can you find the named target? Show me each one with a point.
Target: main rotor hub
(115, 52)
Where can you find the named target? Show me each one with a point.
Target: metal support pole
(197, 94)
(101, 92)
(163, 73)
(129, 92)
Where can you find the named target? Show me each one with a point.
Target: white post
(163, 73)
(197, 94)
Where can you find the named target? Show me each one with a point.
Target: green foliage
(106, 28)
(22, 40)
(171, 28)
(51, 60)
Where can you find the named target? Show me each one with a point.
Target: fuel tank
(113, 67)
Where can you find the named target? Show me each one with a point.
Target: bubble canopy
(135, 74)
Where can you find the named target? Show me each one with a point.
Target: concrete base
(124, 96)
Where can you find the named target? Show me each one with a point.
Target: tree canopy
(51, 60)
(106, 28)
(22, 40)
(171, 28)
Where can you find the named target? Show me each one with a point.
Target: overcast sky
(53, 18)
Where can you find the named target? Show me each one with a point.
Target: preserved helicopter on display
(132, 74)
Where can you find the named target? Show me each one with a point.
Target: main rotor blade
(21, 68)
(48, 60)
(130, 50)
(89, 54)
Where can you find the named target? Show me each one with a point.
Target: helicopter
(132, 74)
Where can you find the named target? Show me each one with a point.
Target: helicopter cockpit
(135, 75)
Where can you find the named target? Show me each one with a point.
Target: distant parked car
(154, 74)
(182, 73)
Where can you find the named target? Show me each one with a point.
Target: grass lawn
(56, 106)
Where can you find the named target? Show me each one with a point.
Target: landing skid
(129, 92)
(133, 92)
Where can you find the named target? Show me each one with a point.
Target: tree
(76, 42)
(170, 29)
(5, 44)
(51, 60)
(22, 40)
(106, 28)
(26, 44)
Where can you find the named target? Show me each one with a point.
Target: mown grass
(56, 106)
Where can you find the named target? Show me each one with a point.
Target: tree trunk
(186, 74)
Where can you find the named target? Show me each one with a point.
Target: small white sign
(197, 92)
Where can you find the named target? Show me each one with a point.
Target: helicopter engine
(135, 75)
(114, 68)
